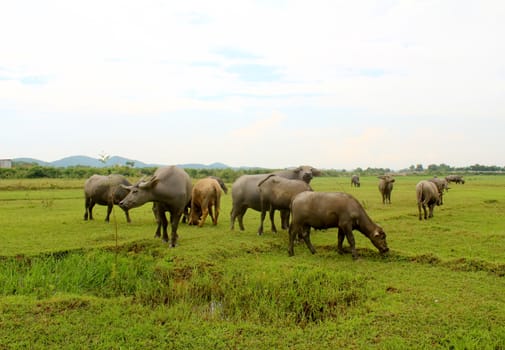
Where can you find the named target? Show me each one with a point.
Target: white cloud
(158, 60)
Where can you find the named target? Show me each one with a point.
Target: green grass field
(69, 283)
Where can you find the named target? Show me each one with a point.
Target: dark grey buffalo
(355, 181)
(171, 188)
(386, 187)
(322, 210)
(455, 178)
(427, 196)
(104, 190)
(276, 193)
(221, 183)
(245, 192)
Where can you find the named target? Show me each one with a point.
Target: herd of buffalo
(170, 189)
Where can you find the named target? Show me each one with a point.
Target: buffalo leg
(90, 209)
(164, 224)
(262, 218)
(306, 238)
(216, 213)
(237, 213)
(272, 221)
(127, 215)
(157, 216)
(424, 210)
(352, 243)
(285, 219)
(109, 210)
(430, 208)
(292, 234)
(205, 213)
(341, 236)
(211, 214)
(174, 221)
(86, 208)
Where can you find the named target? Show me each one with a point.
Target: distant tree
(130, 163)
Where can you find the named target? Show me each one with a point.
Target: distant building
(5, 163)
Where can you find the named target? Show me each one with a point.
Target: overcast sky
(271, 83)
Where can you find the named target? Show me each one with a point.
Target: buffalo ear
(316, 172)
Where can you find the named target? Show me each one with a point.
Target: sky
(333, 84)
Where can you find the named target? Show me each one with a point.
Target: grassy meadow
(69, 283)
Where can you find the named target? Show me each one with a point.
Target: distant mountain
(112, 161)
(203, 166)
(31, 161)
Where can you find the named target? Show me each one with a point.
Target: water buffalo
(455, 178)
(221, 183)
(185, 218)
(427, 195)
(355, 181)
(104, 190)
(245, 192)
(386, 187)
(206, 194)
(441, 186)
(171, 187)
(276, 192)
(322, 210)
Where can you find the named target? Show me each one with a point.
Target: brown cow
(427, 195)
(205, 195)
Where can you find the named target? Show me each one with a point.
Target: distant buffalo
(386, 187)
(104, 190)
(321, 210)
(455, 178)
(171, 187)
(355, 181)
(245, 192)
(427, 196)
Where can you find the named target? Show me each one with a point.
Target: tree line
(33, 171)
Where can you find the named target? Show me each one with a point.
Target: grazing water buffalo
(322, 210)
(441, 186)
(245, 192)
(104, 190)
(206, 194)
(355, 181)
(171, 187)
(427, 195)
(455, 178)
(386, 187)
(185, 217)
(276, 192)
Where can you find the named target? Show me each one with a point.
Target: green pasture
(70, 283)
